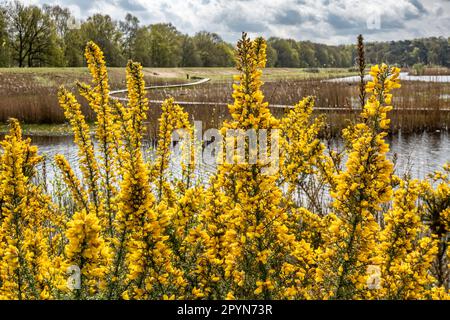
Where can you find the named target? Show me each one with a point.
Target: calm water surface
(421, 154)
(418, 154)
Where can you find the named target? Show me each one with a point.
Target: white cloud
(327, 21)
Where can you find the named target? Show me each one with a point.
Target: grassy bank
(61, 129)
(51, 76)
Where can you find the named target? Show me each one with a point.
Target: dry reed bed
(32, 98)
(419, 106)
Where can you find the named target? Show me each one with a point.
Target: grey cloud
(292, 17)
(340, 22)
(414, 14)
(130, 5)
(410, 15)
(391, 23)
(439, 11)
(170, 15)
(343, 26)
(84, 5)
(418, 5)
(238, 23)
(164, 6)
(316, 20)
(247, 26)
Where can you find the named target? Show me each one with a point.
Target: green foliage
(69, 38)
(419, 68)
(428, 51)
(5, 59)
(165, 48)
(190, 57)
(213, 51)
(104, 31)
(130, 32)
(72, 50)
(272, 56)
(287, 52)
(43, 36)
(32, 36)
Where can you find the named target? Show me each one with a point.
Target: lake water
(419, 154)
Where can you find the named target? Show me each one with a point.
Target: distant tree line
(32, 36)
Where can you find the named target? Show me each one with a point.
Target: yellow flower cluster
(98, 98)
(406, 257)
(86, 249)
(249, 110)
(173, 118)
(358, 193)
(129, 228)
(25, 223)
(250, 249)
(141, 245)
(87, 162)
(302, 151)
(435, 194)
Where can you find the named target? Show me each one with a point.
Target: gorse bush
(316, 227)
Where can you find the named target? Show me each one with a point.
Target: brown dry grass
(30, 96)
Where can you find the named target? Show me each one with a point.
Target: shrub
(314, 229)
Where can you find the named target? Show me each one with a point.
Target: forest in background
(50, 36)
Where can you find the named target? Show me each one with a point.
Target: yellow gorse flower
(99, 101)
(243, 216)
(87, 250)
(406, 256)
(87, 160)
(317, 228)
(302, 149)
(25, 223)
(435, 194)
(359, 192)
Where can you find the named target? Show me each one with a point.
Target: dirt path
(182, 85)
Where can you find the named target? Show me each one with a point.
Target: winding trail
(211, 103)
(168, 86)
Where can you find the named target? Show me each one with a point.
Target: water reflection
(418, 154)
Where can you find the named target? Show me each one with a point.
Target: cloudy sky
(326, 21)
